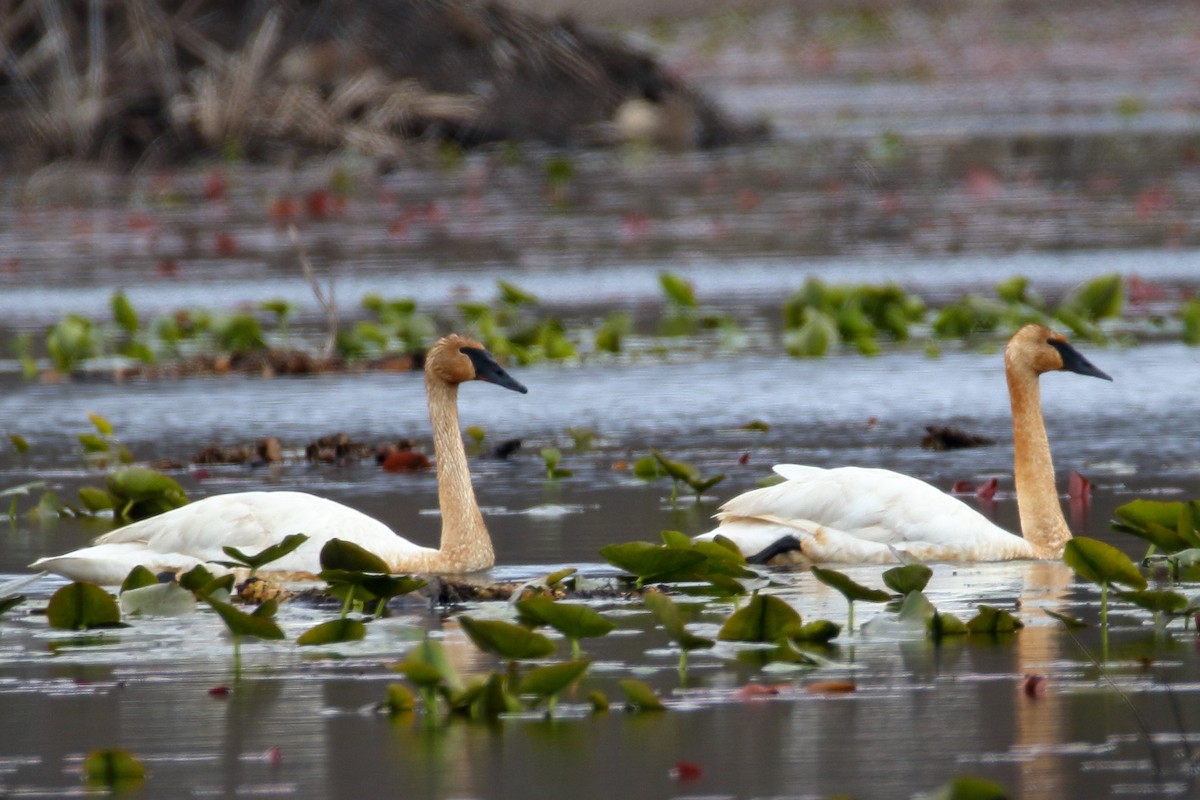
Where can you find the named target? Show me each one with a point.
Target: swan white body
(857, 515)
(251, 521)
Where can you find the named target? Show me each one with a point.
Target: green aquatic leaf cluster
(818, 319)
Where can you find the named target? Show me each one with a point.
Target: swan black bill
(1074, 361)
(486, 369)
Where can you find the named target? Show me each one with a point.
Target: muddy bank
(166, 81)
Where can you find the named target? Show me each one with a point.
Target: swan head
(456, 359)
(1039, 349)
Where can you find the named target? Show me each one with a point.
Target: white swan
(856, 515)
(195, 533)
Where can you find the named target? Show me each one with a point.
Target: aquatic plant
(115, 769)
(1102, 563)
(549, 681)
(573, 620)
(849, 589)
(103, 447)
(907, 578)
(674, 620)
(1170, 526)
(263, 557)
(358, 576)
(256, 625)
(140, 492)
(551, 457)
(82, 606)
(683, 472)
(428, 666)
(639, 696)
(681, 559)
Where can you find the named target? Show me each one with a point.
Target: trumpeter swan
(195, 533)
(856, 515)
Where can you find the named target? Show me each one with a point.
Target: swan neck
(1042, 521)
(465, 544)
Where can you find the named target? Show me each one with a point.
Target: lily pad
(399, 699)
(141, 492)
(116, 769)
(138, 578)
(765, 618)
(647, 560)
(506, 640)
(343, 555)
(639, 696)
(1099, 562)
(990, 619)
(266, 555)
(82, 606)
(1157, 600)
(428, 665)
(334, 631)
(849, 588)
(158, 600)
(907, 578)
(573, 620)
(817, 631)
(258, 625)
(674, 621)
(1072, 622)
(549, 680)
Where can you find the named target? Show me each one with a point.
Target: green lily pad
(942, 624)
(117, 769)
(849, 588)
(158, 600)
(138, 578)
(765, 618)
(493, 699)
(428, 665)
(966, 787)
(1157, 600)
(81, 606)
(639, 696)
(549, 680)
(334, 631)
(94, 499)
(1072, 622)
(677, 290)
(11, 601)
(1099, 562)
(258, 625)
(506, 640)
(573, 620)
(557, 577)
(266, 555)
(990, 619)
(819, 630)
(399, 699)
(343, 555)
(673, 620)
(140, 492)
(647, 560)
(907, 578)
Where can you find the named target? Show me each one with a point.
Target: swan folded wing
(855, 514)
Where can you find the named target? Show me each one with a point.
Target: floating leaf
(814, 336)
(994, 620)
(598, 700)
(95, 500)
(506, 640)
(399, 699)
(266, 555)
(428, 666)
(573, 620)
(639, 696)
(123, 313)
(116, 769)
(943, 624)
(1099, 562)
(557, 577)
(817, 631)
(140, 492)
(549, 680)
(11, 601)
(1157, 600)
(1100, 298)
(339, 554)
(334, 631)
(258, 625)
(969, 788)
(908, 578)
(765, 618)
(646, 560)
(647, 468)
(157, 600)
(673, 620)
(493, 699)
(1066, 619)
(80, 606)
(19, 443)
(849, 589)
(679, 292)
